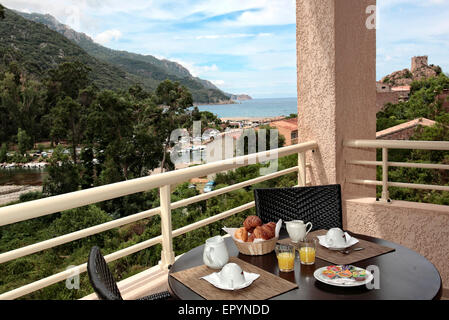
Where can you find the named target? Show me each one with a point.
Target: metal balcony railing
(397, 144)
(51, 205)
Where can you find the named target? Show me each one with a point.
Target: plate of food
(343, 276)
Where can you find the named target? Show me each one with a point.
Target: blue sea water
(271, 107)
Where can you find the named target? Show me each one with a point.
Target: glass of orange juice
(286, 257)
(307, 250)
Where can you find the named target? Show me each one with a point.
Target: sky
(243, 46)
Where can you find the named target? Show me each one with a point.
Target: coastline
(256, 119)
(215, 104)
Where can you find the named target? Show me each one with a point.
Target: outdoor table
(404, 275)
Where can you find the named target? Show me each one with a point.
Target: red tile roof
(414, 123)
(291, 124)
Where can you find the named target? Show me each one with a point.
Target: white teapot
(297, 230)
(215, 253)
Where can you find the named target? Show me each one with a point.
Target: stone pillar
(336, 56)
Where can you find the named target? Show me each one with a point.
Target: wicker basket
(256, 249)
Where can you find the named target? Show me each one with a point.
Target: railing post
(302, 169)
(385, 193)
(167, 254)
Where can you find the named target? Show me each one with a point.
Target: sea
(255, 108)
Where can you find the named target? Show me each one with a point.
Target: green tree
(4, 153)
(23, 142)
(174, 101)
(68, 79)
(2, 12)
(68, 122)
(63, 174)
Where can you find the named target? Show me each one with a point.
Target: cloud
(218, 82)
(196, 70)
(108, 36)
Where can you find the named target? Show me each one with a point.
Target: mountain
(146, 69)
(37, 49)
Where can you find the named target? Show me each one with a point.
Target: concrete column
(336, 55)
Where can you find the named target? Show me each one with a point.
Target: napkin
(231, 232)
(350, 241)
(215, 280)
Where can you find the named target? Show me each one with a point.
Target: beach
(254, 119)
(12, 193)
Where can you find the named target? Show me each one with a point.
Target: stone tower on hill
(419, 63)
(420, 69)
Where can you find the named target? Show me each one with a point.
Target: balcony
(336, 108)
(393, 221)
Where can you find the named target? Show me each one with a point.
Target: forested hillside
(37, 49)
(423, 102)
(145, 69)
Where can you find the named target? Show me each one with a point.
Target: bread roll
(261, 233)
(251, 223)
(241, 234)
(251, 237)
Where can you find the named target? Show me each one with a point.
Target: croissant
(251, 237)
(241, 234)
(261, 233)
(251, 222)
(269, 231)
(272, 225)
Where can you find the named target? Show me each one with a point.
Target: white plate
(341, 282)
(352, 241)
(214, 280)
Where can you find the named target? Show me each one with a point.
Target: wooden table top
(404, 275)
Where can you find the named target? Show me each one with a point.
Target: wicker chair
(103, 281)
(320, 205)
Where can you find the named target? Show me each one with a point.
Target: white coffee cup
(232, 275)
(336, 238)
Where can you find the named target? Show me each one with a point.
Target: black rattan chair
(320, 205)
(103, 281)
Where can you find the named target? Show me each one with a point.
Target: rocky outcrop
(240, 97)
(419, 70)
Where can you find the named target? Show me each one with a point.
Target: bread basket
(258, 248)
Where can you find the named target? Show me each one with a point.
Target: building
(388, 94)
(405, 130)
(288, 128)
(444, 99)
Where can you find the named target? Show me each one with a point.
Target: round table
(404, 275)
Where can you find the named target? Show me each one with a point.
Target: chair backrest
(320, 205)
(101, 277)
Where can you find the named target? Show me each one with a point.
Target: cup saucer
(349, 243)
(214, 280)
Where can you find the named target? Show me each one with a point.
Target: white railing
(163, 181)
(385, 145)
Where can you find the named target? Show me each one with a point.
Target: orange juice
(307, 255)
(286, 261)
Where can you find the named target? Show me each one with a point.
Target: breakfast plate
(343, 276)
